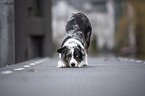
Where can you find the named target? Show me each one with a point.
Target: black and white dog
(73, 51)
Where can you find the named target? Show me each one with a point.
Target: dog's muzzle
(73, 65)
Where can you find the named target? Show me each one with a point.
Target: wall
(33, 29)
(7, 48)
(32, 36)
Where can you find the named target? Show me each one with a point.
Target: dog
(74, 48)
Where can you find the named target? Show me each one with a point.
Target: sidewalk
(105, 76)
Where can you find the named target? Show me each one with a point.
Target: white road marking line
(37, 62)
(126, 59)
(6, 72)
(138, 61)
(18, 69)
(132, 60)
(32, 64)
(26, 66)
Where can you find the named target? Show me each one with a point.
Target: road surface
(105, 76)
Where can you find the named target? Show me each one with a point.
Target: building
(25, 30)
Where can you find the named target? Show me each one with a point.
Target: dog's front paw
(80, 65)
(85, 64)
(61, 64)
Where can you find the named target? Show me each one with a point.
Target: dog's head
(72, 56)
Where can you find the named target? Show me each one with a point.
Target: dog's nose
(73, 64)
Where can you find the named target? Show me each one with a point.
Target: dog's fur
(73, 51)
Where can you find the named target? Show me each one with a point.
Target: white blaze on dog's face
(73, 62)
(72, 54)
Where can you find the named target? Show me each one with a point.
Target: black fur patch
(78, 54)
(66, 55)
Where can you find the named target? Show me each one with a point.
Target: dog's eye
(69, 55)
(77, 56)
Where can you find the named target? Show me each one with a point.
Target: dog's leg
(61, 64)
(86, 60)
(81, 64)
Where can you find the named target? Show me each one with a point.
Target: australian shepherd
(74, 48)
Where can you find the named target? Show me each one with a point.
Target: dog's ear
(61, 49)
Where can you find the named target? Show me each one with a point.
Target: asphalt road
(105, 76)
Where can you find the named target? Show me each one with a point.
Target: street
(105, 76)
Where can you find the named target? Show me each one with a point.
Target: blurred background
(35, 28)
(118, 25)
